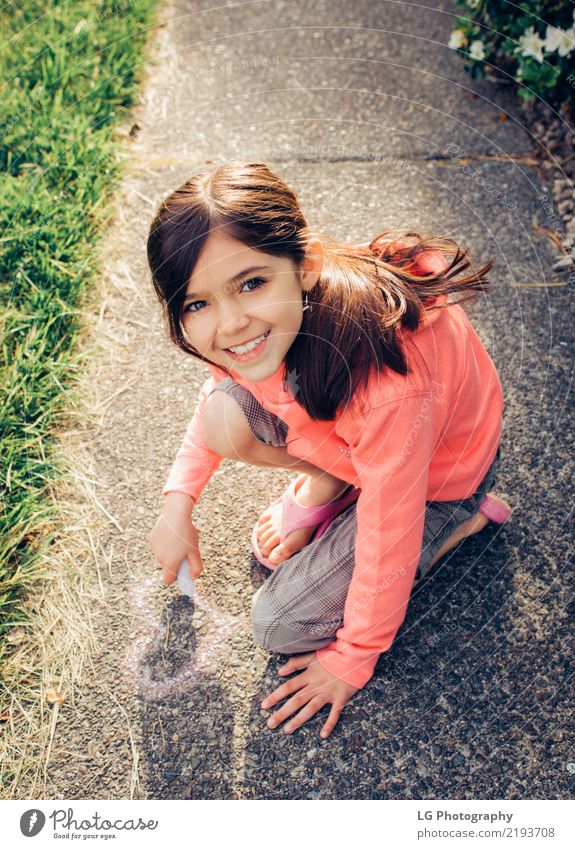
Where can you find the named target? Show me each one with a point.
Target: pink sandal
(294, 517)
(495, 509)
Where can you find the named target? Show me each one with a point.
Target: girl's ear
(312, 264)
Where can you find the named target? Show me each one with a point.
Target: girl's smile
(249, 350)
(243, 308)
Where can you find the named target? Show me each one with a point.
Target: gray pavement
(368, 115)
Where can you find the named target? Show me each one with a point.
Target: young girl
(349, 365)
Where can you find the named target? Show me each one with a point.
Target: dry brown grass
(52, 649)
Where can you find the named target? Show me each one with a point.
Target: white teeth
(243, 349)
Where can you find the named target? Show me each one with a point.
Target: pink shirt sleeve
(391, 448)
(195, 463)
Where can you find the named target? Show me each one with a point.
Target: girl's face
(243, 308)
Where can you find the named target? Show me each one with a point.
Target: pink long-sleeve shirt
(428, 436)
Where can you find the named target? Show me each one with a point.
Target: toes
(269, 530)
(269, 534)
(278, 555)
(269, 545)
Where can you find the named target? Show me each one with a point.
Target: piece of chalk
(184, 581)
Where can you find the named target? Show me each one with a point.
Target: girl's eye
(189, 307)
(256, 281)
(252, 283)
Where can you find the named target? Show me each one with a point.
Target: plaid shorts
(300, 606)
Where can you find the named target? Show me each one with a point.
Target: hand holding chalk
(184, 581)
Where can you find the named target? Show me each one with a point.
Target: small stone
(564, 262)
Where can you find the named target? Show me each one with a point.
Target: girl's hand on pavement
(310, 691)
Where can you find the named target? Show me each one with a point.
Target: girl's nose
(232, 320)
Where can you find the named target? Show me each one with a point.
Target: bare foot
(309, 493)
(466, 529)
(472, 526)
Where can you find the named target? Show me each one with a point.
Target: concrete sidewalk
(367, 114)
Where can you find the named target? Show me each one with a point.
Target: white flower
(457, 39)
(532, 44)
(477, 50)
(560, 40)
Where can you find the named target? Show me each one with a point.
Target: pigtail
(367, 296)
(430, 267)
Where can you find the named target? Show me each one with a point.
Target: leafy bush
(531, 42)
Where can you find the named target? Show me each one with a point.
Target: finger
(195, 565)
(295, 703)
(305, 713)
(283, 692)
(294, 663)
(170, 573)
(332, 720)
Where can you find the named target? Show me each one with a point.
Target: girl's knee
(225, 427)
(286, 634)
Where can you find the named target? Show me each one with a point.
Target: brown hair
(362, 302)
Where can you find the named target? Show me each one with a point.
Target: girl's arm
(391, 451)
(195, 463)
(174, 536)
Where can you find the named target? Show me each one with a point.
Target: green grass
(69, 71)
